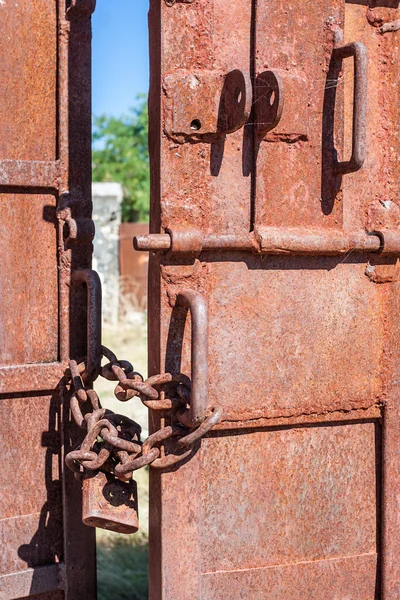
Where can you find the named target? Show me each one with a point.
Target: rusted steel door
(45, 181)
(275, 184)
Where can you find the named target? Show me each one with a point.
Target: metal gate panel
(288, 520)
(379, 180)
(257, 325)
(283, 535)
(295, 183)
(45, 160)
(335, 333)
(291, 236)
(240, 530)
(195, 63)
(28, 75)
(29, 280)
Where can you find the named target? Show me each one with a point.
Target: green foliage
(122, 568)
(120, 153)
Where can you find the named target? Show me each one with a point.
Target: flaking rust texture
(45, 167)
(295, 173)
(294, 494)
(196, 40)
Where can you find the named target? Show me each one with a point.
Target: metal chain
(112, 443)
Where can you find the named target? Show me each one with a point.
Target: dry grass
(128, 343)
(122, 560)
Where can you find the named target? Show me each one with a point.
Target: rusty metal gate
(45, 234)
(273, 303)
(275, 184)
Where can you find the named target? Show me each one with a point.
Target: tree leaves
(120, 153)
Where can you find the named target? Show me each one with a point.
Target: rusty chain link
(112, 442)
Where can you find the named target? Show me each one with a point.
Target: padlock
(109, 503)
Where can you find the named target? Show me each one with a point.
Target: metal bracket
(205, 103)
(281, 106)
(80, 231)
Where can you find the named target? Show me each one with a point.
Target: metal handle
(199, 354)
(359, 52)
(93, 285)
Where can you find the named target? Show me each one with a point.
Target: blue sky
(120, 55)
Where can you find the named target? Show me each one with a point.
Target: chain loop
(112, 442)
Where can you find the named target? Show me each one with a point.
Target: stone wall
(107, 198)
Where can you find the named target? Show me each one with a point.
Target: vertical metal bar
(358, 50)
(154, 291)
(62, 156)
(199, 312)
(74, 149)
(391, 499)
(93, 285)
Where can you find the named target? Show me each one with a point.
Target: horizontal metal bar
(152, 242)
(39, 580)
(318, 241)
(30, 378)
(164, 241)
(276, 240)
(29, 174)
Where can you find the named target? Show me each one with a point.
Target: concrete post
(107, 198)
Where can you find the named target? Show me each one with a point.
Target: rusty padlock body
(109, 503)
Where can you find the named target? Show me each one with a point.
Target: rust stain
(45, 160)
(285, 226)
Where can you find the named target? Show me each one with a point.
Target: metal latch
(111, 449)
(201, 104)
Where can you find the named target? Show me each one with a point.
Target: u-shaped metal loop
(359, 51)
(197, 305)
(94, 350)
